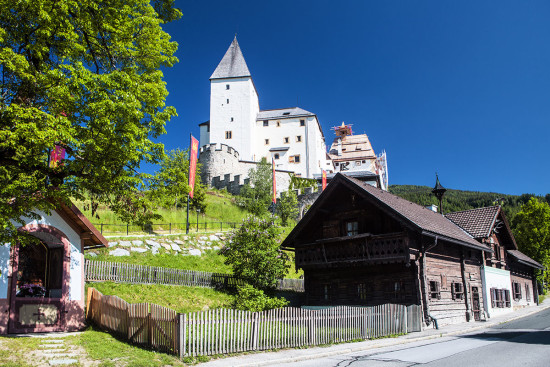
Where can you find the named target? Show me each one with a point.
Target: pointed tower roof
(232, 64)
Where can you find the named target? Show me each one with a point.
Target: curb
(388, 344)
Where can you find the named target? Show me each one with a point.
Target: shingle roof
(420, 216)
(477, 222)
(521, 257)
(232, 64)
(283, 113)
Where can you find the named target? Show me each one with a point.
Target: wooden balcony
(363, 248)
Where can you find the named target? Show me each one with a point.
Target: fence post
(311, 328)
(221, 226)
(89, 304)
(406, 321)
(101, 228)
(170, 228)
(127, 228)
(255, 335)
(181, 334)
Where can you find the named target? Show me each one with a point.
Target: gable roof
(283, 113)
(91, 237)
(524, 259)
(416, 216)
(232, 64)
(477, 222)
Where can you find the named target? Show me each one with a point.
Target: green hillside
(457, 200)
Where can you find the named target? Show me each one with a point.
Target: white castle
(239, 134)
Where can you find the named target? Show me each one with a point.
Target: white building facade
(292, 137)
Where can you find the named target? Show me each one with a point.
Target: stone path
(57, 352)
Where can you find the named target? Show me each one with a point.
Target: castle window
(231, 119)
(286, 140)
(227, 86)
(298, 138)
(266, 122)
(294, 158)
(278, 123)
(302, 122)
(228, 101)
(228, 135)
(276, 156)
(266, 141)
(358, 163)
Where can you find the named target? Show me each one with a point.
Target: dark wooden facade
(359, 245)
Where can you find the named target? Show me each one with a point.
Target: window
(527, 293)
(500, 298)
(227, 86)
(362, 291)
(266, 141)
(228, 101)
(276, 156)
(457, 291)
(286, 140)
(435, 291)
(278, 123)
(294, 158)
(286, 113)
(266, 122)
(302, 122)
(40, 271)
(516, 287)
(298, 138)
(228, 135)
(232, 119)
(326, 292)
(352, 228)
(358, 163)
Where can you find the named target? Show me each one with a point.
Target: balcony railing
(366, 248)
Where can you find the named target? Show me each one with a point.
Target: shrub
(252, 299)
(254, 253)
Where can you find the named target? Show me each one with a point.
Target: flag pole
(188, 175)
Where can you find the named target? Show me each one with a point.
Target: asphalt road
(523, 342)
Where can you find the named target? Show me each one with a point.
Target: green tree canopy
(287, 208)
(84, 75)
(170, 184)
(532, 232)
(256, 196)
(255, 255)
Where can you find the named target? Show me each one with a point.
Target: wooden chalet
(509, 279)
(360, 245)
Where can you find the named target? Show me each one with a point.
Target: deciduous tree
(256, 196)
(84, 75)
(532, 232)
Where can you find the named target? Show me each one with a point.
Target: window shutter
(493, 298)
(461, 290)
(453, 290)
(507, 297)
(438, 290)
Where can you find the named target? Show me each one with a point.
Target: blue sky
(457, 87)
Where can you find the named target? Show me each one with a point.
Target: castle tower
(234, 104)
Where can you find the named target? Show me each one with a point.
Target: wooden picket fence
(144, 274)
(223, 331)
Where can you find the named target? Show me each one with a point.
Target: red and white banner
(56, 155)
(193, 164)
(274, 183)
(324, 180)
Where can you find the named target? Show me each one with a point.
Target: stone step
(52, 347)
(61, 355)
(53, 341)
(61, 362)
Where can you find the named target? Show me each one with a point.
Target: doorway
(39, 285)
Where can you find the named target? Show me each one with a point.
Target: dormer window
(286, 113)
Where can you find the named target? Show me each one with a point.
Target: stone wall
(222, 169)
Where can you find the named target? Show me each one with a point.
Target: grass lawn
(17, 351)
(178, 298)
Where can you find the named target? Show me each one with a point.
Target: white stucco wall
(77, 259)
(243, 107)
(4, 269)
(495, 278)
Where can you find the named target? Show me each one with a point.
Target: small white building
(42, 285)
(292, 137)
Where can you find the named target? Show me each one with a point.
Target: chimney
(432, 207)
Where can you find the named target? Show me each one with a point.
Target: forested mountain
(456, 200)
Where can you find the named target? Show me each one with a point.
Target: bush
(254, 253)
(252, 299)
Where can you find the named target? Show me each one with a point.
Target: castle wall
(219, 159)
